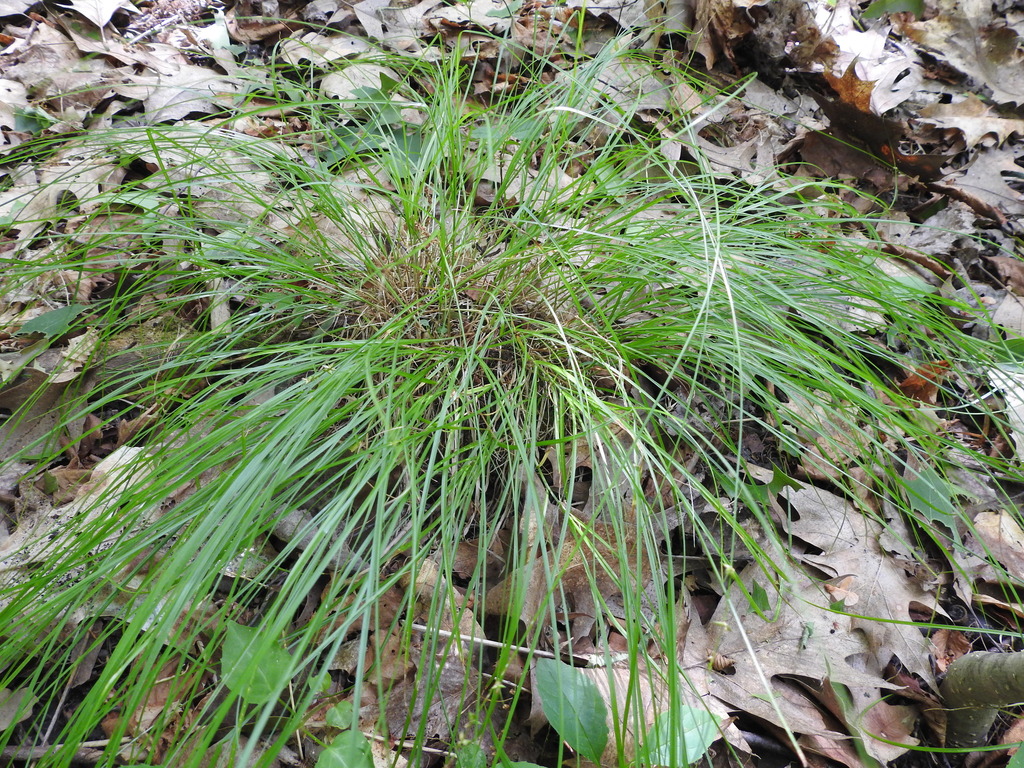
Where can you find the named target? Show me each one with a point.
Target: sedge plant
(385, 327)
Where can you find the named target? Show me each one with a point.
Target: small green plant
(349, 749)
(680, 735)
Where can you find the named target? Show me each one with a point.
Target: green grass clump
(407, 321)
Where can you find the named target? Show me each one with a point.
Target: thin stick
(482, 641)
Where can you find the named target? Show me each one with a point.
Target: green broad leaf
(251, 669)
(759, 598)
(1012, 351)
(524, 131)
(49, 483)
(388, 84)
(280, 301)
(573, 706)
(350, 749)
(405, 143)
(753, 493)
(228, 245)
(367, 94)
(882, 7)
(781, 480)
(681, 736)
(510, 10)
(320, 684)
(148, 200)
(929, 495)
(409, 146)
(54, 323)
(13, 213)
(378, 100)
(471, 755)
(31, 120)
(340, 715)
(389, 114)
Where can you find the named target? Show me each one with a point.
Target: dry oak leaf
(850, 542)
(801, 649)
(987, 179)
(1011, 272)
(968, 35)
(851, 115)
(1003, 540)
(99, 12)
(948, 646)
(851, 89)
(923, 384)
(974, 119)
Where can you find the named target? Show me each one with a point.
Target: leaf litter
(923, 111)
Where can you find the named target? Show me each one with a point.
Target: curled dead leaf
(923, 384)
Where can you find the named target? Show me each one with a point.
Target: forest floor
(911, 112)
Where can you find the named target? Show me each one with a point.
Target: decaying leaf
(99, 12)
(976, 121)
(972, 39)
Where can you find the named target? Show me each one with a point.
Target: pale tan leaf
(350, 82)
(320, 49)
(1008, 314)
(974, 119)
(988, 178)
(99, 12)
(13, 95)
(15, 706)
(968, 35)
(1011, 272)
(849, 544)
(1003, 539)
